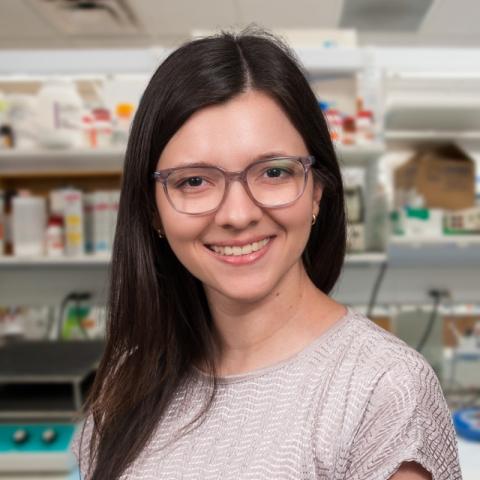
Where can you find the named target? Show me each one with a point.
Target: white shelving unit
(47, 279)
(424, 108)
(413, 267)
(44, 279)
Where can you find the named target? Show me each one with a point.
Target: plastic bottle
(59, 114)
(55, 242)
(102, 124)
(22, 110)
(349, 131)
(2, 223)
(334, 121)
(123, 120)
(28, 224)
(74, 223)
(6, 132)
(365, 129)
(89, 134)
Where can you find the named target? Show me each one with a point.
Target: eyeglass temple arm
(162, 176)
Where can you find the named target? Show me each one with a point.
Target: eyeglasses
(201, 189)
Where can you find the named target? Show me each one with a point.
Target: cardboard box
(444, 177)
(463, 221)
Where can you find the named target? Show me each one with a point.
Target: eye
(275, 172)
(192, 182)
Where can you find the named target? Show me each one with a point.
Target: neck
(258, 333)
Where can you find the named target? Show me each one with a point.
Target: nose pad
(237, 209)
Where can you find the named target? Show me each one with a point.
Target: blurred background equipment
(42, 387)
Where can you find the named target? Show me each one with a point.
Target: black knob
(20, 436)
(49, 435)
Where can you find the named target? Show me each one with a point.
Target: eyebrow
(262, 156)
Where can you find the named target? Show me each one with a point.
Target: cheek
(181, 231)
(296, 221)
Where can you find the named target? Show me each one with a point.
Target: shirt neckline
(240, 377)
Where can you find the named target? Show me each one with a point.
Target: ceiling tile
(288, 14)
(19, 19)
(166, 17)
(453, 17)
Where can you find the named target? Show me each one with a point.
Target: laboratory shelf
(457, 240)
(15, 162)
(367, 258)
(414, 138)
(359, 154)
(60, 161)
(451, 250)
(92, 260)
(332, 61)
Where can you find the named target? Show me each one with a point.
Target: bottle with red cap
(365, 129)
(55, 240)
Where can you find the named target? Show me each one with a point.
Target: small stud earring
(314, 218)
(160, 233)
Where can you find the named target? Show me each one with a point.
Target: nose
(237, 210)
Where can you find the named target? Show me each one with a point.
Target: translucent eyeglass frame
(161, 176)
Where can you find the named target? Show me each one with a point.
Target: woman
(225, 356)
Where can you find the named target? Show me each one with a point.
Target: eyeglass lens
(271, 183)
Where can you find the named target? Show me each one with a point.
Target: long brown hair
(159, 322)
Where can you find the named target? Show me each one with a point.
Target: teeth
(235, 251)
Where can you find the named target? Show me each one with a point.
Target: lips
(239, 250)
(239, 255)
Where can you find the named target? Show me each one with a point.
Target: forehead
(233, 134)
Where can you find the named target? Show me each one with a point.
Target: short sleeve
(406, 419)
(80, 446)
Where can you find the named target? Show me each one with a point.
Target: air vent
(89, 17)
(381, 15)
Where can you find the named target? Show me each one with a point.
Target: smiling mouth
(236, 251)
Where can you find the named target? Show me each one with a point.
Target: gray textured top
(354, 404)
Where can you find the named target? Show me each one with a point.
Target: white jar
(59, 114)
(22, 110)
(28, 225)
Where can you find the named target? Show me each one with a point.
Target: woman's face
(232, 136)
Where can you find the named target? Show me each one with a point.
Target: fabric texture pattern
(353, 405)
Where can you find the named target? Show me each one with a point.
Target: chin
(247, 298)
(245, 292)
